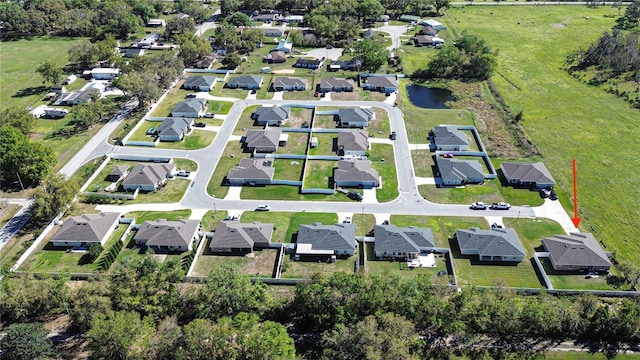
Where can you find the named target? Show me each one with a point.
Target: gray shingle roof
(167, 233)
(252, 168)
(527, 172)
(262, 138)
(355, 170)
(336, 83)
(199, 81)
(191, 105)
(174, 126)
(90, 228)
(245, 80)
(328, 237)
(382, 81)
(449, 136)
(148, 174)
(494, 242)
(272, 113)
(119, 170)
(237, 235)
(353, 141)
(391, 238)
(459, 170)
(355, 114)
(287, 81)
(277, 55)
(576, 249)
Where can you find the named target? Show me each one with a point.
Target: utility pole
(20, 180)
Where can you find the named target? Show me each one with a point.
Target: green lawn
(286, 169)
(211, 219)
(186, 164)
(20, 84)
(567, 119)
(325, 144)
(175, 96)
(296, 144)
(307, 269)
(225, 163)
(399, 268)
(219, 107)
(382, 160)
(171, 192)
(324, 121)
(318, 173)
(142, 216)
(490, 191)
(246, 122)
(141, 132)
(198, 139)
(220, 90)
(51, 259)
(100, 182)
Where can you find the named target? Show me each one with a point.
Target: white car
(500, 206)
(347, 220)
(263, 208)
(479, 206)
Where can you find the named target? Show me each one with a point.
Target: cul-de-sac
(303, 179)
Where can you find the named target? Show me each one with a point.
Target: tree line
(144, 311)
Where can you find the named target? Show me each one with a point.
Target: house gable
(576, 251)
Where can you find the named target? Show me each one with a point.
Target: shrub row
(110, 256)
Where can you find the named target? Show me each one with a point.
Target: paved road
(15, 223)
(409, 202)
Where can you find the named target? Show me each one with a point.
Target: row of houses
(574, 252)
(344, 117)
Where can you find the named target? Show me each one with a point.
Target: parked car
(254, 91)
(393, 135)
(501, 206)
(191, 96)
(354, 195)
(347, 220)
(386, 222)
(263, 208)
(209, 115)
(183, 173)
(199, 124)
(553, 195)
(479, 206)
(496, 226)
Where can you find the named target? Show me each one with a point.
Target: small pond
(430, 98)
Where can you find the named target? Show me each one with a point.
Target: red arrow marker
(575, 219)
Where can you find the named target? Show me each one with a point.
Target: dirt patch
(284, 71)
(564, 23)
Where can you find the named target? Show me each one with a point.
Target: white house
(105, 73)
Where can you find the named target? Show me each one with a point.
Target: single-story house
(263, 141)
(429, 30)
(265, 17)
(149, 41)
(276, 57)
(449, 138)
(118, 172)
(434, 24)
(576, 252)
(353, 143)
(386, 84)
(501, 244)
(325, 241)
(251, 171)
(190, 108)
(352, 64)
(369, 33)
(199, 83)
(85, 230)
(80, 97)
(293, 18)
(133, 52)
(156, 23)
(289, 84)
(409, 18)
(459, 172)
(272, 32)
(284, 46)
(309, 63)
(355, 117)
(534, 175)
(206, 62)
(105, 73)
(241, 238)
(271, 115)
(336, 85)
(249, 82)
(148, 177)
(402, 243)
(355, 173)
(162, 235)
(174, 129)
(181, 16)
(423, 40)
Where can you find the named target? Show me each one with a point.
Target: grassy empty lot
(565, 118)
(258, 263)
(142, 216)
(441, 227)
(220, 90)
(324, 121)
(219, 107)
(197, 139)
(286, 224)
(225, 163)
(382, 160)
(175, 96)
(20, 85)
(490, 191)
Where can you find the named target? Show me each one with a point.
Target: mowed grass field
(565, 118)
(20, 84)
